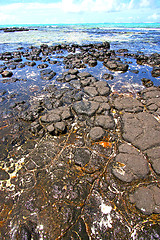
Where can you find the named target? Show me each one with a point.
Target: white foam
(105, 209)
(106, 221)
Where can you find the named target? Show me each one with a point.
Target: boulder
(6, 74)
(104, 121)
(83, 75)
(146, 199)
(91, 91)
(155, 72)
(96, 133)
(130, 164)
(88, 108)
(47, 74)
(154, 157)
(141, 129)
(81, 156)
(128, 104)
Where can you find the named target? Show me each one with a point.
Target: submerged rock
(6, 74)
(44, 65)
(108, 76)
(47, 74)
(156, 72)
(147, 82)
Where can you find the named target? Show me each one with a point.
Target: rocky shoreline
(89, 164)
(16, 29)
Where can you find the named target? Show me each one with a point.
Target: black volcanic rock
(47, 74)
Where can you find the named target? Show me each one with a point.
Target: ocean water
(137, 37)
(134, 36)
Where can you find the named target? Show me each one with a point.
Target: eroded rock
(47, 74)
(85, 107)
(130, 164)
(96, 133)
(146, 199)
(154, 157)
(6, 74)
(105, 122)
(128, 104)
(141, 129)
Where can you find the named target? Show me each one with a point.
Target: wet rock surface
(80, 160)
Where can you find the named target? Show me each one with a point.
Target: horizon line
(79, 23)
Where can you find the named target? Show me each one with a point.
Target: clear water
(136, 37)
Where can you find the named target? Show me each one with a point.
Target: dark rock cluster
(89, 165)
(153, 60)
(16, 29)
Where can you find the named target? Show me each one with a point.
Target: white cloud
(3, 17)
(27, 11)
(42, 6)
(104, 5)
(130, 6)
(70, 6)
(95, 5)
(61, 11)
(89, 5)
(11, 7)
(154, 17)
(144, 3)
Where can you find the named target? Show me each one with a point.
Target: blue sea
(133, 36)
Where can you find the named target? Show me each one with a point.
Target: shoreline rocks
(17, 29)
(87, 158)
(130, 164)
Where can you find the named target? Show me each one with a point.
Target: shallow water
(136, 37)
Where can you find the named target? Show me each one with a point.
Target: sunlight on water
(84, 33)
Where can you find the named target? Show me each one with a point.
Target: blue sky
(78, 11)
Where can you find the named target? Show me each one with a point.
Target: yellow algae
(105, 144)
(6, 184)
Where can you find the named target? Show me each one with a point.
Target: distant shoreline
(110, 25)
